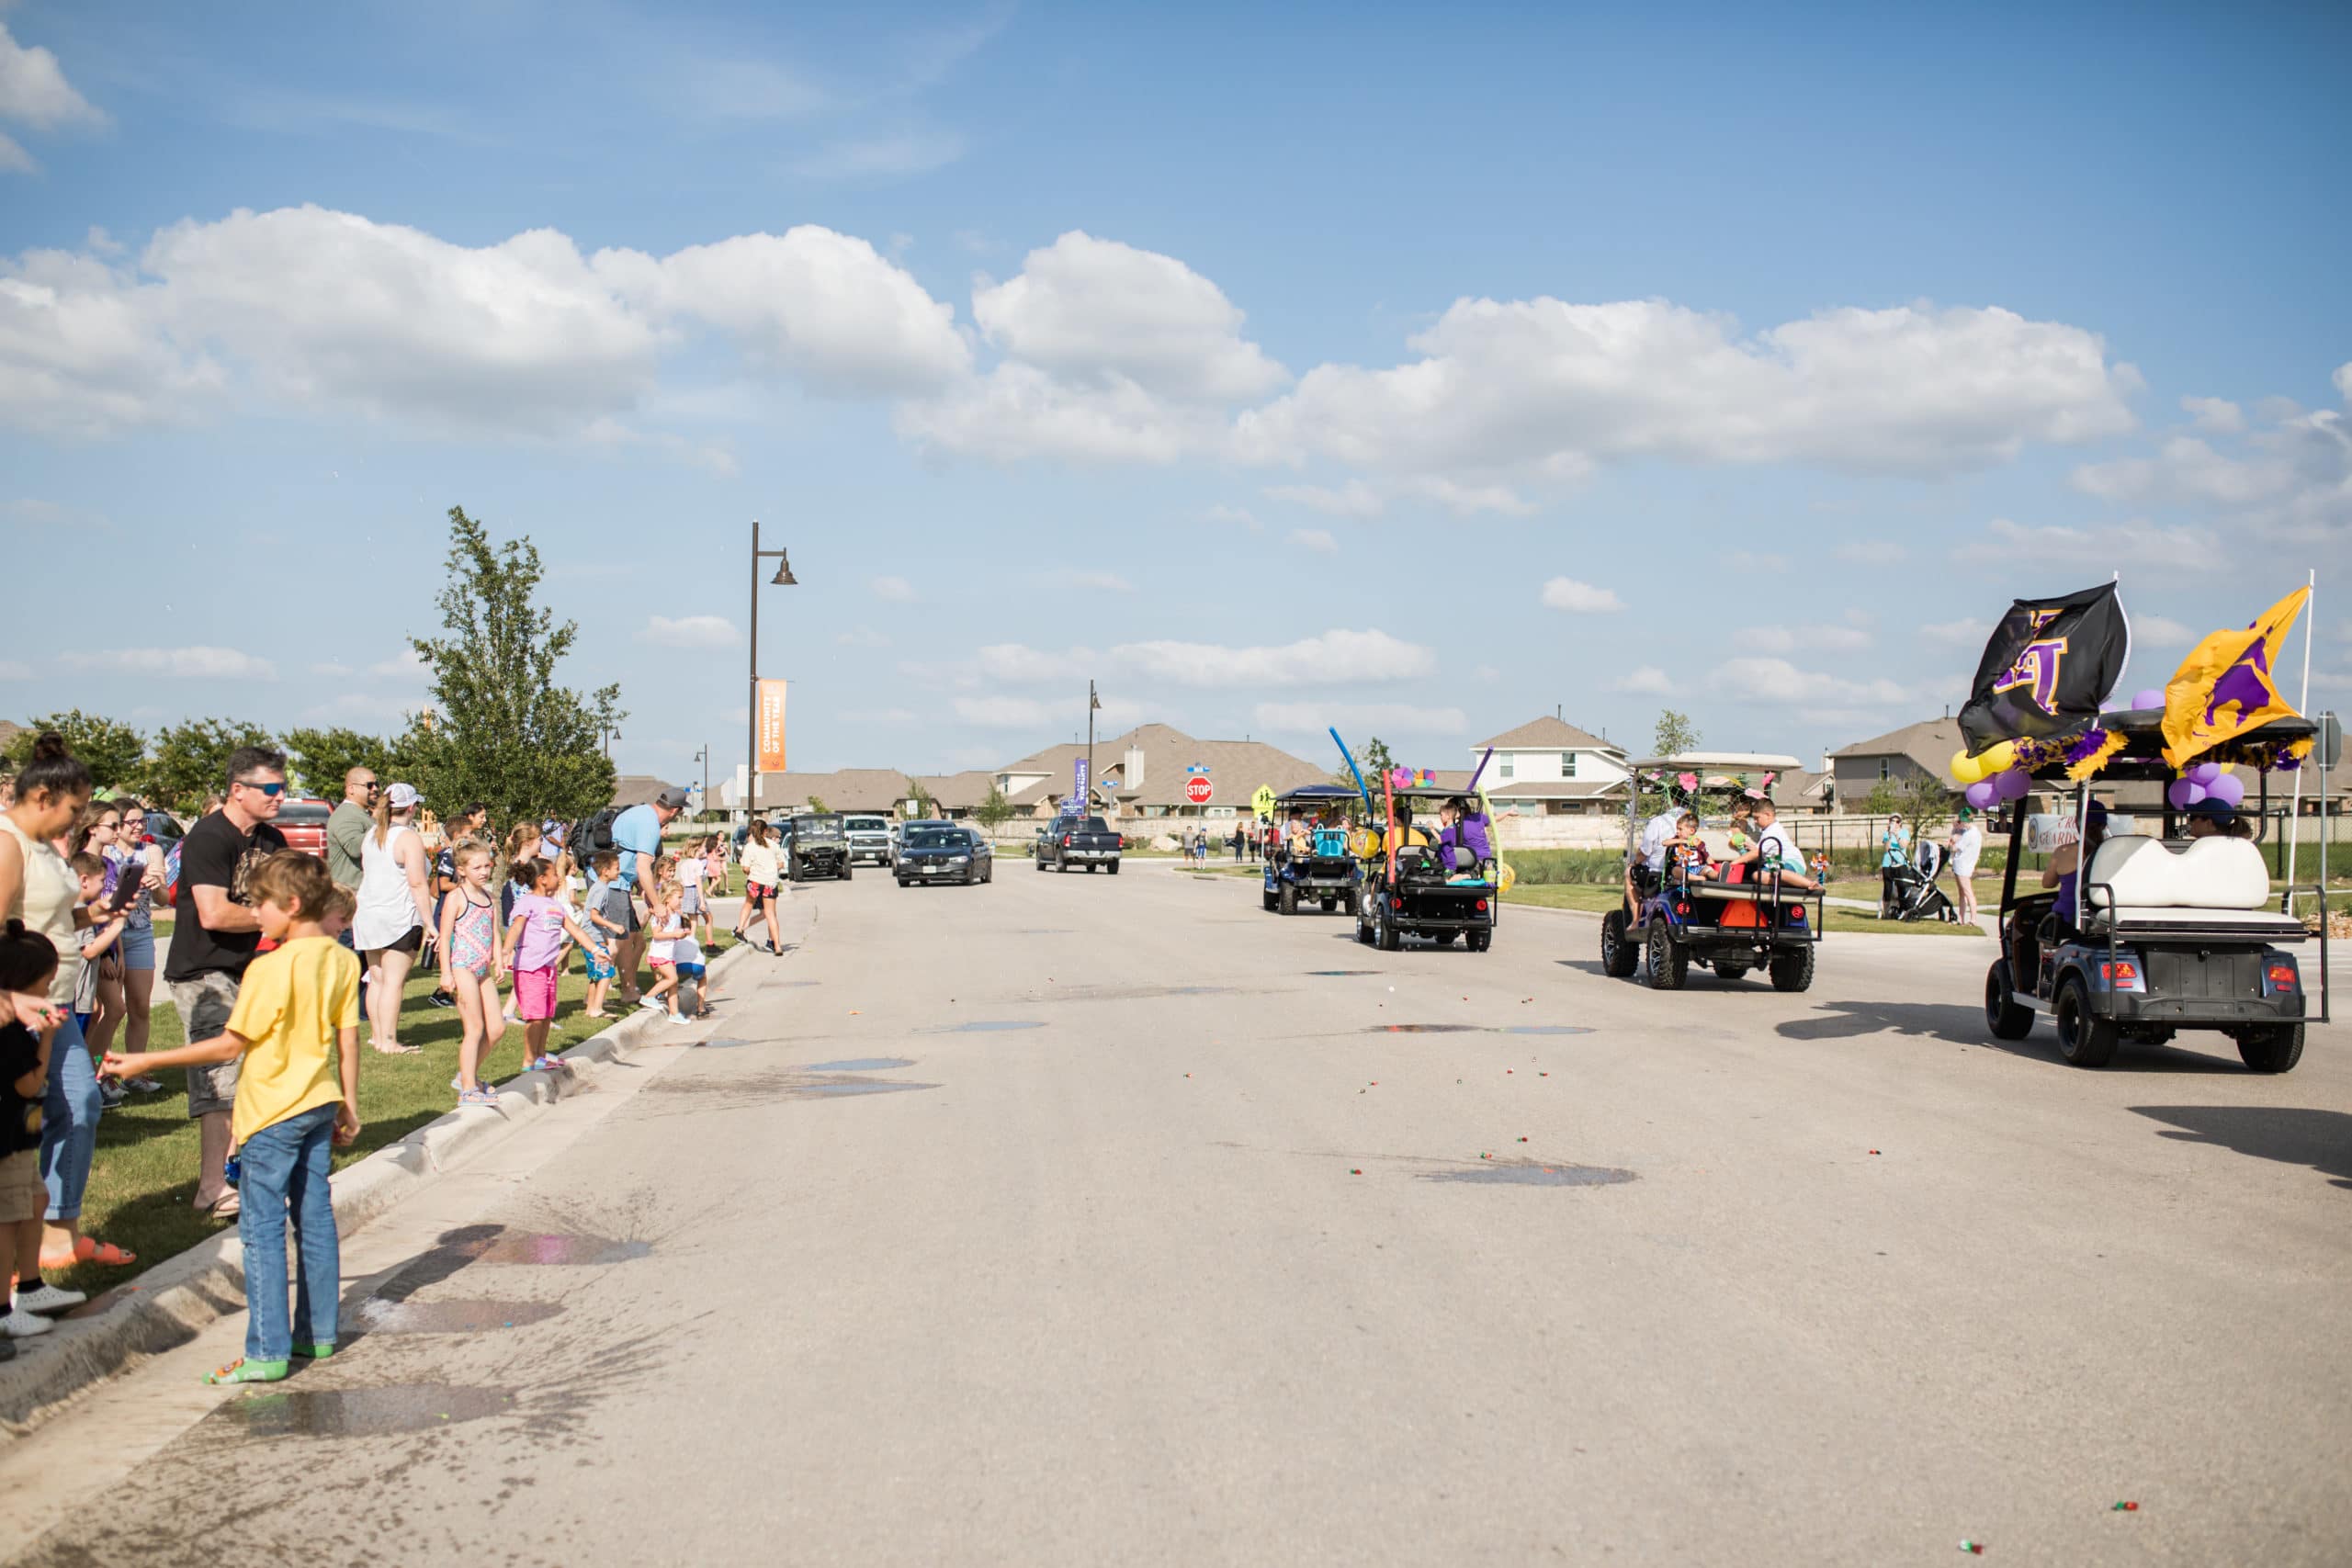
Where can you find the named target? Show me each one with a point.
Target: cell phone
(128, 881)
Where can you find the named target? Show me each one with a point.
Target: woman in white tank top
(392, 911)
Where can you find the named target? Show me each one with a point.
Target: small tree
(993, 811)
(191, 758)
(925, 806)
(115, 754)
(321, 757)
(816, 805)
(504, 730)
(1674, 734)
(1921, 797)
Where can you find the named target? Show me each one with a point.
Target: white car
(869, 839)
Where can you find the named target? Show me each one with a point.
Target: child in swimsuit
(472, 948)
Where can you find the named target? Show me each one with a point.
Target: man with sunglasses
(214, 934)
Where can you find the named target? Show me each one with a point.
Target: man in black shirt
(214, 933)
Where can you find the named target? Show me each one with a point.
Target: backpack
(593, 836)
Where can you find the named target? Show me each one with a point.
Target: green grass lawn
(144, 1175)
(1599, 900)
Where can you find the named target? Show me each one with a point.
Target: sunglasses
(269, 789)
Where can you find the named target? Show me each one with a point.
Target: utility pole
(783, 579)
(1086, 806)
(702, 757)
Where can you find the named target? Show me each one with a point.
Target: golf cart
(1407, 892)
(2176, 932)
(818, 848)
(1325, 873)
(1770, 919)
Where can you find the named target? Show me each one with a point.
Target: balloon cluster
(2205, 780)
(1994, 775)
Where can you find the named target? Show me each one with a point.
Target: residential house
(1915, 751)
(1549, 767)
(637, 789)
(881, 791)
(957, 795)
(1146, 773)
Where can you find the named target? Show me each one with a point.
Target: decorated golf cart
(1312, 867)
(2141, 928)
(1732, 900)
(1421, 880)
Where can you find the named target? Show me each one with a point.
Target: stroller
(1912, 893)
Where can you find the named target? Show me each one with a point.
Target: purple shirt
(542, 939)
(1470, 833)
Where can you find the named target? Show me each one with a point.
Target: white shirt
(691, 871)
(1966, 845)
(1654, 833)
(1779, 847)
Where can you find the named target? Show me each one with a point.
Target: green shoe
(242, 1370)
(313, 1352)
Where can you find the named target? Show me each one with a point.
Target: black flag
(2047, 666)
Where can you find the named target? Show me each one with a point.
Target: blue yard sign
(1078, 793)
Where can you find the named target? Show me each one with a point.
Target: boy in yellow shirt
(297, 1026)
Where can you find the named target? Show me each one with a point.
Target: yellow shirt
(290, 1004)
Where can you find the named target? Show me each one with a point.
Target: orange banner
(770, 726)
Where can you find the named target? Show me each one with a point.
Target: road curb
(168, 1304)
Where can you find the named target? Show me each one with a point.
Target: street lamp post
(702, 757)
(1086, 806)
(783, 579)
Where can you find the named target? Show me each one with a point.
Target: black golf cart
(1672, 916)
(1324, 874)
(1410, 892)
(2173, 933)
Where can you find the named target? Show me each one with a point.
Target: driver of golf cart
(2065, 868)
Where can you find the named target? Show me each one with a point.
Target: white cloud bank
(1334, 658)
(690, 631)
(1580, 598)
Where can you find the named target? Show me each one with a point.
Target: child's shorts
(661, 963)
(690, 971)
(601, 969)
(22, 1196)
(535, 994)
(690, 902)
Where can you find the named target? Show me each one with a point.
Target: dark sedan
(927, 853)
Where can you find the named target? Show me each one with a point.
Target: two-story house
(1549, 767)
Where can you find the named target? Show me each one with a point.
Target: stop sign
(1197, 789)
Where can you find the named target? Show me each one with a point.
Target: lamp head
(783, 577)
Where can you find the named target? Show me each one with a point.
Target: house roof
(847, 789)
(958, 792)
(1929, 743)
(636, 789)
(1548, 734)
(1236, 768)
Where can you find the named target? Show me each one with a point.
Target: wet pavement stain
(1544, 1029)
(451, 1317)
(862, 1064)
(1343, 972)
(355, 1412)
(562, 1251)
(980, 1026)
(722, 1044)
(1427, 1029)
(1529, 1173)
(845, 1087)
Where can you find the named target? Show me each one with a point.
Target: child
(470, 959)
(27, 1029)
(714, 883)
(692, 905)
(334, 917)
(534, 949)
(600, 959)
(662, 950)
(1685, 851)
(297, 1026)
(687, 956)
(97, 938)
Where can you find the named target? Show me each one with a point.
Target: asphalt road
(1075, 1219)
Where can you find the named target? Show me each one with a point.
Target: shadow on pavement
(1962, 1025)
(2290, 1134)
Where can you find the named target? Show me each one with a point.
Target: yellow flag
(2227, 686)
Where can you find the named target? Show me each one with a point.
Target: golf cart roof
(1732, 761)
(1308, 794)
(2141, 757)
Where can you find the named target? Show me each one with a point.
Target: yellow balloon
(1964, 768)
(1998, 758)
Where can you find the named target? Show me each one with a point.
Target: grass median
(144, 1174)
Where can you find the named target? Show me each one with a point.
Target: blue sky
(1414, 373)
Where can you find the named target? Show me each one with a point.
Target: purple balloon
(2184, 795)
(2149, 698)
(2014, 785)
(1982, 794)
(2228, 789)
(2202, 774)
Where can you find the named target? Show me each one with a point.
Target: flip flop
(398, 1050)
(88, 1249)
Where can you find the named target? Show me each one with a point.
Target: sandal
(226, 1206)
(89, 1249)
(242, 1370)
(397, 1050)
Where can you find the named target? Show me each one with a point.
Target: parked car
(869, 839)
(944, 851)
(303, 821)
(817, 848)
(1086, 842)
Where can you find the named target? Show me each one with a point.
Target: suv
(817, 848)
(869, 839)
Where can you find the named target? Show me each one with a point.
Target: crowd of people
(275, 958)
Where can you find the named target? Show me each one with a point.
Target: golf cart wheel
(844, 871)
(1792, 971)
(1618, 955)
(1364, 927)
(2084, 1039)
(793, 873)
(1666, 961)
(2002, 1016)
(1384, 934)
(1725, 969)
(2275, 1048)
(1289, 900)
(1269, 900)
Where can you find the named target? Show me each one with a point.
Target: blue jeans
(69, 1122)
(285, 1176)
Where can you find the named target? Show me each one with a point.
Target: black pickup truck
(1085, 842)
(818, 848)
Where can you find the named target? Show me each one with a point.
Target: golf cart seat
(2217, 887)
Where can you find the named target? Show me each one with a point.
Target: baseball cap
(2214, 810)
(673, 797)
(401, 796)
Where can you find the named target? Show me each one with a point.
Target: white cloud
(15, 669)
(406, 665)
(1022, 665)
(1036, 713)
(2290, 479)
(1778, 682)
(2160, 631)
(1787, 639)
(1870, 552)
(882, 157)
(1486, 672)
(1334, 658)
(1354, 498)
(1313, 718)
(1469, 499)
(332, 670)
(1018, 410)
(34, 91)
(2217, 416)
(1545, 386)
(893, 589)
(1319, 540)
(1221, 512)
(691, 631)
(1961, 633)
(2136, 543)
(1646, 680)
(1100, 581)
(1580, 598)
(14, 159)
(198, 663)
(371, 708)
(862, 637)
(1752, 561)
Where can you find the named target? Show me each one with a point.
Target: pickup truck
(1085, 842)
(869, 839)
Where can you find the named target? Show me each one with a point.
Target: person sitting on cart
(2065, 867)
(2213, 819)
(1776, 849)
(1686, 853)
(1465, 836)
(1743, 820)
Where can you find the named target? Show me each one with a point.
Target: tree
(993, 811)
(1373, 759)
(503, 729)
(113, 752)
(1921, 797)
(321, 757)
(191, 760)
(925, 807)
(1675, 734)
(816, 805)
